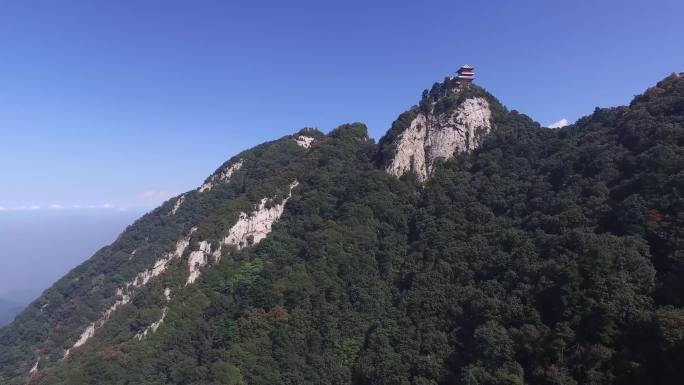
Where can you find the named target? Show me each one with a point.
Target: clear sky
(122, 103)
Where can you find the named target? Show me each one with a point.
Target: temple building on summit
(466, 75)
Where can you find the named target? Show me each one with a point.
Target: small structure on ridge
(466, 75)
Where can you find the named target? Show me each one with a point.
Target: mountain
(469, 246)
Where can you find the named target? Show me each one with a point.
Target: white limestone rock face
(177, 205)
(251, 229)
(199, 258)
(222, 176)
(153, 327)
(34, 368)
(160, 266)
(89, 331)
(439, 137)
(410, 151)
(304, 141)
(459, 132)
(123, 294)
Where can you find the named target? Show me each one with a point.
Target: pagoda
(466, 75)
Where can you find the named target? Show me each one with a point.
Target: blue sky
(120, 104)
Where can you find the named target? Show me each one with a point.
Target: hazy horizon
(39, 247)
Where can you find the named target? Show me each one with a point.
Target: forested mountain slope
(470, 246)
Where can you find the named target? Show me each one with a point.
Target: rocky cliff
(435, 136)
(448, 122)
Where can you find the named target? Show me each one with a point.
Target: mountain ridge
(354, 275)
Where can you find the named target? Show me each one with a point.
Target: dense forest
(545, 256)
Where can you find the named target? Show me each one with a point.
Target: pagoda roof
(467, 66)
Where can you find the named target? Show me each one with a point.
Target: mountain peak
(453, 117)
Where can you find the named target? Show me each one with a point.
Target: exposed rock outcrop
(222, 176)
(177, 205)
(89, 331)
(161, 264)
(199, 258)
(34, 368)
(249, 230)
(410, 150)
(123, 294)
(432, 137)
(155, 325)
(304, 141)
